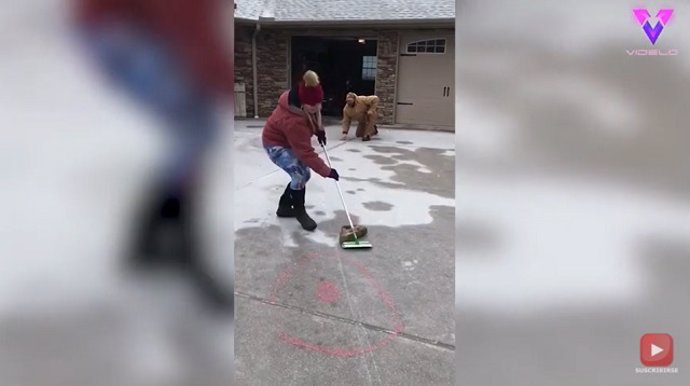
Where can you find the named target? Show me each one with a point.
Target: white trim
(445, 47)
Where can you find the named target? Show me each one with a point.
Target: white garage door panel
(421, 82)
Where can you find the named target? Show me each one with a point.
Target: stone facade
(386, 75)
(243, 64)
(273, 68)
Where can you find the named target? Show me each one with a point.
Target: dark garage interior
(344, 64)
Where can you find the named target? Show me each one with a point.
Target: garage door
(426, 87)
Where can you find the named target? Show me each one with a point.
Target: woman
(150, 50)
(287, 140)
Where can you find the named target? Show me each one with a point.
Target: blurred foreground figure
(170, 57)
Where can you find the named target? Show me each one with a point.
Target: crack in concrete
(349, 303)
(415, 338)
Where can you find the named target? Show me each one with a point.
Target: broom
(356, 243)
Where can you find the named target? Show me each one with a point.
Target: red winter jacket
(288, 127)
(192, 28)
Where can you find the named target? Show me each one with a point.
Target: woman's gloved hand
(321, 135)
(334, 175)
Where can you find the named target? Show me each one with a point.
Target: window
(368, 67)
(437, 46)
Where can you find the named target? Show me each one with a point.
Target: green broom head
(357, 244)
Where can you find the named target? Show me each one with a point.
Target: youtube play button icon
(656, 350)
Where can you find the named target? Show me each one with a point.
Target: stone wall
(243, 64)
(272, 68)
(386, 74)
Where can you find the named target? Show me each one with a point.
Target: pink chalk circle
(328, 292)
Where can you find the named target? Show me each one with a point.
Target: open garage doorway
(344, 64)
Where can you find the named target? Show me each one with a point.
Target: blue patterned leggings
(141, 65)
(285, 159)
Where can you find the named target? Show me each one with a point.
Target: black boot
(190, 256)
(159, 209)
(285, 208)
(300, 212)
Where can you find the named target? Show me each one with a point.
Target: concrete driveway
(310, 313)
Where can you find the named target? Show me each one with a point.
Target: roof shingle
(248, 9)
(346, 10)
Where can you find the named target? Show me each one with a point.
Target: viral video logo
(663, 16)
(645, 20)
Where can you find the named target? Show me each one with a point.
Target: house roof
(290, 11)
(248, 9)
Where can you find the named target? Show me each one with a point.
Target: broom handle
(342, 198)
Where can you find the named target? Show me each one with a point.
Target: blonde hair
(311, 79)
